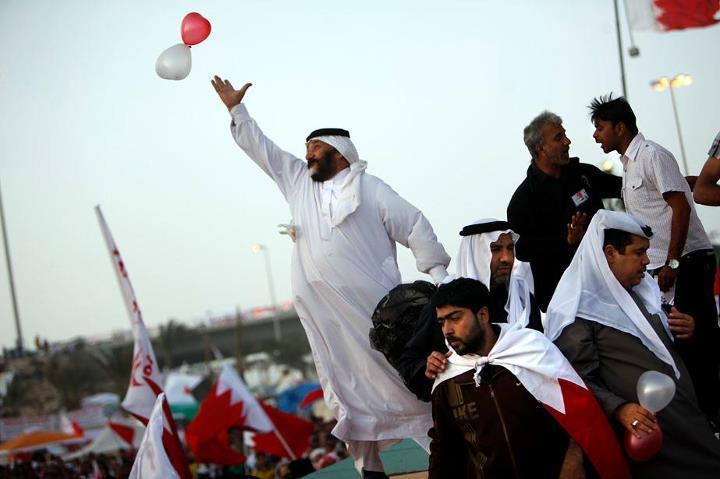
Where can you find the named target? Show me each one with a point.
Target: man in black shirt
(553, 205)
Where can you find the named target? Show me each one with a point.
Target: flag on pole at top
(145, 379)
(665, 15)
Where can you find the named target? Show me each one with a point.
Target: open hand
(229, 95)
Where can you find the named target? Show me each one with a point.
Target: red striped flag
(667, 15)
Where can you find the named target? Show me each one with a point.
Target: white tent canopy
(109, 440)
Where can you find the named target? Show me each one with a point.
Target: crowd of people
(42, 465)
(323, 450)
(593, 299)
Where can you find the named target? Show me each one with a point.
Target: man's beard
(562, 159)
(469, 346)
(500, 279)
(500, 276)
(322, 167)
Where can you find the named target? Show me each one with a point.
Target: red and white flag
(145, 377)
(69, 426)
(129, 432)
(141, 398)
(664, 15)
(179, 387)
(152, 460)
(231, 405)
(546, 374)
(291, 434)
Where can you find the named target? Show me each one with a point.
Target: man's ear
(483, 315)
(620, 128)
(610, 253)
(339, 159)
(538, 150)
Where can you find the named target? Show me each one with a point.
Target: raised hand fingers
(217, 83)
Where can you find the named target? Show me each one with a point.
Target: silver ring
(635, 423)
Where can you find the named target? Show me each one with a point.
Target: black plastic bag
(395, 318)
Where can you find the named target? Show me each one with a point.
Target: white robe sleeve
(407, 225)
(285, 169)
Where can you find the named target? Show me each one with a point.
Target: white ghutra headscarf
(589, 290)
(349, 196)
(473, 261)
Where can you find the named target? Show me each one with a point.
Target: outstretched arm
(707, 190)
(285, 169)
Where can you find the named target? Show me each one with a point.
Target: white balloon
(655, 390)
(174, 63)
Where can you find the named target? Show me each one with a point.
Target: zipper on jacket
(505, 432)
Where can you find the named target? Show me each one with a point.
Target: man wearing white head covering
(487, 254)
(605, 316)
(346, 226)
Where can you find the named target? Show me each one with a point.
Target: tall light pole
(677, 81)
(257, 248)
(19, 339)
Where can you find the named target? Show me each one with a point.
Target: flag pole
(283, 442)
(620, 51)
(19, 345)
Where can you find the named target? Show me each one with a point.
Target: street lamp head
(257, 247)
(681, 80)
(607, 166)
(661, 84)
(677, 81)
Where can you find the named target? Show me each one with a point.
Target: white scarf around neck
(349, 196)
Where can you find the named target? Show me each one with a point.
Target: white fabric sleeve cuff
(438, 273)
(239, 113)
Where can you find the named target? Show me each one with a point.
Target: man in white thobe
(345, 226)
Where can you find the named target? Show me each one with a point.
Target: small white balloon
(655, 390)
(174, 63)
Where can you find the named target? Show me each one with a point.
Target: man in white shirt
(347, 224)
(681, 256)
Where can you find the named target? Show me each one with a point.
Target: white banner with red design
(145, 379)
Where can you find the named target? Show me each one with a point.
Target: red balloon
(645, 447)
(194, 29)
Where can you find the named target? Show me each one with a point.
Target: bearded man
(346, 224)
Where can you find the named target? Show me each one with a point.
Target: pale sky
(435, 95)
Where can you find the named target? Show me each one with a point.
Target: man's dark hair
(619, 239)
(614, 110)
(462, 292)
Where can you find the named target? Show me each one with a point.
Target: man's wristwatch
(672, 264)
